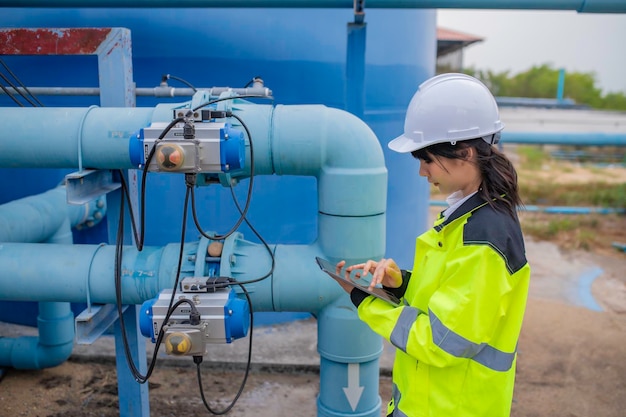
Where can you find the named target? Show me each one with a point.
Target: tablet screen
(381, 293)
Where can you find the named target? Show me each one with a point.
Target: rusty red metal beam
(39, 41)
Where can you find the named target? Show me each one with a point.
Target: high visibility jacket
(456, 332)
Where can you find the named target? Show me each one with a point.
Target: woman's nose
(423, 171)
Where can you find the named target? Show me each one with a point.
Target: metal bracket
(87, 185)
(92, 322)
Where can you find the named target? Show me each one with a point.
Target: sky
(517, 40)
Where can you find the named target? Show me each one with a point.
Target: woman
(457, 330)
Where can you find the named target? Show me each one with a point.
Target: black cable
(267, 246)
(188, 84)
(14, 87)
(248, 198)
(20, 83)
(140, 237)
(252, 81)
(140, 378)
(243, 213)
(8, 93)
(198, 361)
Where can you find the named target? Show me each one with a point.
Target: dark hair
(499, 178)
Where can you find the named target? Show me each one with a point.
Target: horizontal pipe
(82, 273)
(565, 138)
(583, 6)
(37, 218)
(160, 91)
(63, 137)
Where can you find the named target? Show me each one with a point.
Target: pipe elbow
(27, 352)
(339, 149)
(51, 348)
(353, 176)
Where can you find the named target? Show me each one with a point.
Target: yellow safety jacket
(463, 303)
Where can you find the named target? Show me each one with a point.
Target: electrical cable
(172, 77)
(248, 198)
(267, 246)
(252, 81)
(198, 360)
(139, 377)
(8, 93)
(20, 83)
(14, 87)
(140, 236)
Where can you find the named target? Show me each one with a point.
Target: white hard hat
(449, 108)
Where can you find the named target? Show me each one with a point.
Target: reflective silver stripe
(400, 333)
(460, 347)
(396, 395)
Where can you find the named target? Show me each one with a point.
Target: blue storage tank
(301, 54)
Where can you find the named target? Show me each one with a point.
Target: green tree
(542, 82)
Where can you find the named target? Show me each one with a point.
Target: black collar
(471, 204)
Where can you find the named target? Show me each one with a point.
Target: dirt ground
(572, 356)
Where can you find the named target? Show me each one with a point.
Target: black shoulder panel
(496, 228)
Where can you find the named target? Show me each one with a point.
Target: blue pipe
(68, 137)
(555, 209)
(565, 138)
(53, 346)
(584, 6)
(560, 85)
(38, 218)
(55, 321)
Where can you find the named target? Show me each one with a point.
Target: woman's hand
(346, 287)
(385, 272)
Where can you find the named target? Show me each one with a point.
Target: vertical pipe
(561, 85)
(355, 68)
(349, 363)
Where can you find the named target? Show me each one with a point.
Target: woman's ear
(467, 153)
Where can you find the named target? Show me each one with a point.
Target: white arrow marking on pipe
(353, 391)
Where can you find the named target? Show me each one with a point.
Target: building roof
(449, 41)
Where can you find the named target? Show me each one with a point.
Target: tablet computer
(381, 293)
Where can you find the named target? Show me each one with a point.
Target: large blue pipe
(308, 140)
(97, 137)
(583, 6)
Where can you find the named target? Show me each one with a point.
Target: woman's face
(450, 175)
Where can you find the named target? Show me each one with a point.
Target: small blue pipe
(555, 209)
(560, 86)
